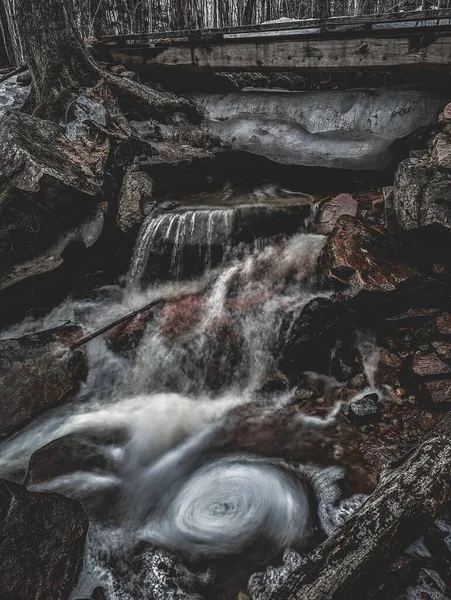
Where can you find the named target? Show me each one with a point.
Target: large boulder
(422, 196)
(307, 339)
(37, 372)
(42, 539)
(359, 259)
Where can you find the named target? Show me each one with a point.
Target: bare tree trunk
(58, 61)
(353, 560)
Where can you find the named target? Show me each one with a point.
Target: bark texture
(354, 560)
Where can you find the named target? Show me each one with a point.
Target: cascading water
(171, 487)
(193, 228)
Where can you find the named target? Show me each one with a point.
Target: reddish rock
(388, 369)
(443, 349)
(180, 317)
(38, 372)
(357, 258)
(437, 392)
(117, 69)
(425, 365)
(331, 210)
(42, 539)
(443, 323)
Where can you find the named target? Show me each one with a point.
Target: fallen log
(127, 318)
(356, 557)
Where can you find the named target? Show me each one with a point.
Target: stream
(156, 421)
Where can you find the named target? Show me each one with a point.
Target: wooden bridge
(410, 40)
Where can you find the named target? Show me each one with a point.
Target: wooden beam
(412, 51)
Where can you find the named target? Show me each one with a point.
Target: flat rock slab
(42, 539)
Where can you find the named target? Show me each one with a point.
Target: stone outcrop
(42, 539)
(38, 371)
(422, 190)
(137, 189)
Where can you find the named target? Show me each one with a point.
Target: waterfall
(200, 229)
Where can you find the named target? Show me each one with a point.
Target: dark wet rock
(37, 372)
(307, 339)
(437, 392)
(83, 451)
(443, 323)
(331, 210)
(364, 410)
(388, 369)
(221, 359)
(359, 259)
(137, 190)
(42, 538)
(275, 382)
(346, 363)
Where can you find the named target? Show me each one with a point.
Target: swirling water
(170, 484)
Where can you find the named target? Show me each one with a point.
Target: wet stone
(365, 410)
(443, 323)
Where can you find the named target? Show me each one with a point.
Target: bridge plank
(412, 51)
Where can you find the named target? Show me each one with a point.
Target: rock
(42, 539)
(425, 365)
(443, 323)
(82, 451)
(388, 369)
(443, 349)
(358, 259)
(441, 151)
(390, 217)
(117, 69)
(275, 382)
(346, 363)
(331, 210)
(129, 75)
(365, 410)
(137, 189)
(38, 372)
(437, 392)
(306, 340)
(422, 194)
(36, 156)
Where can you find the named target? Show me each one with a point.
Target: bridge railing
(435, 19)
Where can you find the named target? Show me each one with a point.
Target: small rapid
(165, 472)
